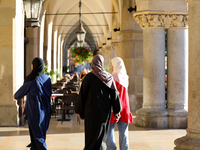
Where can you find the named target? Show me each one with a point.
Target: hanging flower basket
(81, 55)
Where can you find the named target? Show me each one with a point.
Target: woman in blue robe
(38, 88)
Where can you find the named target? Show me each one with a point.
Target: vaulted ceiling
(98, 26)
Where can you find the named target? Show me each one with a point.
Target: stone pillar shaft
(59, 53)
(131, 51)
(153, 113)
(177, 93)
(32, 48)
(41, 51)
(49, 48)
(191, 140)
(111, 52)
(106, 58)
(55, 50)
(61, 56)
(154, 67)
(117, 51)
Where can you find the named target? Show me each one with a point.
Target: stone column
(55, 50)
(41, 43)
(61, 56)
(131, 51)
(111, 53)
(116, 48)
(59, 52)
(106, 59)
(32, 48)
(49, 46)
(177, 77)
(111, 50)
(157, 22)
(54, 54)
(192, 139)
(105, 54)
(68, 59)
(102, 52)
(153, 114)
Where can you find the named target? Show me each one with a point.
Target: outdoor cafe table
(69, 99)
(53, 96)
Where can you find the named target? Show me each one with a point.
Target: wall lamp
(132, 9)
(33, 10)
(115, 29)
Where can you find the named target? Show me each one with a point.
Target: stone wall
(11, 58)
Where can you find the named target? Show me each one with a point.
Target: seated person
(75, 77)
(83, 73)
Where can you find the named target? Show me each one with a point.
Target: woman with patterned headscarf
(121, 80)
(37, 86)
(97, 95)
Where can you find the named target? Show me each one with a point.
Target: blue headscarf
(38, 69)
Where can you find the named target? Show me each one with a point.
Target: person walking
(97, 95)
(38, 88)
(121, 80)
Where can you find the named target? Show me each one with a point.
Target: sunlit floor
(70, 136)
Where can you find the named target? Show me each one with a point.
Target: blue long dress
(38, 93)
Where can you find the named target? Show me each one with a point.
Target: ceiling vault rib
(77, 25)
(95, 13)
(74, 33)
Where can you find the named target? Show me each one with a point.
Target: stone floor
(70, 136)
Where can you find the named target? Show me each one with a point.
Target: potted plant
(81, 55)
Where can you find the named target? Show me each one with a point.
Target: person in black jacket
(97, 95)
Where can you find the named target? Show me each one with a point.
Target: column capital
(162, 20)
(191, 0)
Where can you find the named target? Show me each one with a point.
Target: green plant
(50, 74)
(106, 67)
(81, 55)
(46, 70)
(57, 74)
(65, 68)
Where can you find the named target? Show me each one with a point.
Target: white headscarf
(119, 72)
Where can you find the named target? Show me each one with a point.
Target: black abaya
(94, 105)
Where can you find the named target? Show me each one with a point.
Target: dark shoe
(29, 145)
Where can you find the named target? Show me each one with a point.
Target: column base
(9, 115)
(136, 101)
(177, 118)
(152, 117)
(186, 144)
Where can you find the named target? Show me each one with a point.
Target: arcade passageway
(70, 136)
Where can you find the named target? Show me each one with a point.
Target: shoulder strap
(39, 82)
(119, 87)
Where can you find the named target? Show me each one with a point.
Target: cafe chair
(68, 103)
(57, 102)
(70, 87)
